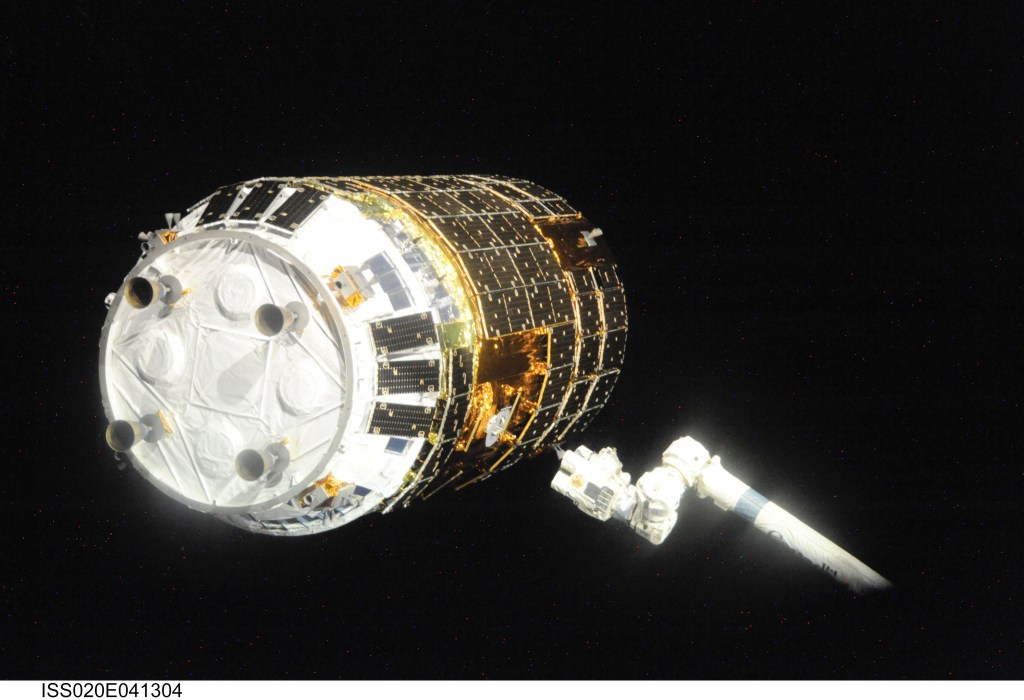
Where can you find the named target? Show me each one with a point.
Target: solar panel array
(496, 229)
(503, 236)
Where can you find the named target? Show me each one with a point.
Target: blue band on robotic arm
(750, 504)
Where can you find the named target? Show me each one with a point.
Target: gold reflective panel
(512, 256)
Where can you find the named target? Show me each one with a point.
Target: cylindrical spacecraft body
(294, 353)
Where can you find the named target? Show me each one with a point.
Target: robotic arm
(595, 482)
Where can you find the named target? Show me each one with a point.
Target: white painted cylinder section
(140, 292)
(272, 319)
(122, 435)
(720, 486)
(730, 493)
(252, 464)
(819, 550)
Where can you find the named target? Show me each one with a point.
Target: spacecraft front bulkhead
(294, 353)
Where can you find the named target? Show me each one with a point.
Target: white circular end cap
(236, 293)
(299, 388)
(216, 450)
(215, 380)
(159, 357)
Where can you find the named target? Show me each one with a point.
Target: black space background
(816, 210)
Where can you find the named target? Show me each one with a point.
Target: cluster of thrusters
(448, 326)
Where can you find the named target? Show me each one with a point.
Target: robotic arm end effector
(595, 482)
